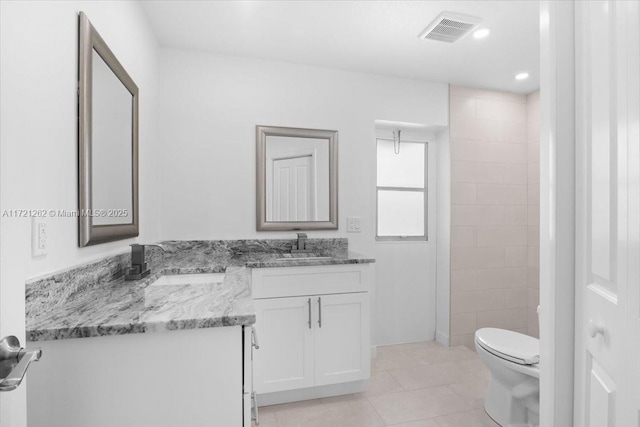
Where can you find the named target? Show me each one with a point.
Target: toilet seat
(512, 346)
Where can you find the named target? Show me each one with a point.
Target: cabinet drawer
(292, 281)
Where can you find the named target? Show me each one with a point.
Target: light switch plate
(353, 224)
(39, 237)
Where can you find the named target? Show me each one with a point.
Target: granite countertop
(94, 299)
(277, 260)
(118, 307)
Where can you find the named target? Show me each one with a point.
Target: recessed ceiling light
(481, 33)
(522, 76)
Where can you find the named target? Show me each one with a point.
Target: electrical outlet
(39, 237)
(353, 224)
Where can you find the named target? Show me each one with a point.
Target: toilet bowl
(513, 396)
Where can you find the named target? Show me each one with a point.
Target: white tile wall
(494, 213)
(533, 206)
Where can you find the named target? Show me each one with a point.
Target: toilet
(513, 396)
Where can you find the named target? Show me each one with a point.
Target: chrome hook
(396, 148)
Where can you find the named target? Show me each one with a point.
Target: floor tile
(347, 413)
(395, 408)
(430, 375)
(472, 392)
(475, 367)
(466, 419)
(383, 349)
(381, 383)
(431, 422)
(486, 419)
(299, 416)
(341, 398)
(266, 420)
(412, 385)
(392, 360)
(439, 354)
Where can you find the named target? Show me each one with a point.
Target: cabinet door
(342, 340)
(285, 358)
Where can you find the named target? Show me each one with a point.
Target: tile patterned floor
(412, 385)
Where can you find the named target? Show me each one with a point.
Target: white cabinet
(186, 378)
(285, 358)
(342, 351)
(311, 335)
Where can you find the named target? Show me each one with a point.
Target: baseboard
(442, 338)
(298, 395)
(374, 351)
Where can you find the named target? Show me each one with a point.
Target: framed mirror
(108, 143)
(297, 179)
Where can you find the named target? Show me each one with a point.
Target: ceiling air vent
(449, 27)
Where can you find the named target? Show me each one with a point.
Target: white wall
(533, 216)
(209, 108)
(38, 135)
(39, 125)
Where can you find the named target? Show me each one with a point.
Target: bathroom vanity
(156, 352)
(177, 348)
(314, 329)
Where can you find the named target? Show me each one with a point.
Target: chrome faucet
(301, 245)
(139, 268)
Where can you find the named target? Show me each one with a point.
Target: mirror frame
(262, 132)
(90, 234)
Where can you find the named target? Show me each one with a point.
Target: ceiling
(377, 37)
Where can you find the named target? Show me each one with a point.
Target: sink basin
(306, 256)
(189, 279)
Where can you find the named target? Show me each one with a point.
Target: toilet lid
(513, 346)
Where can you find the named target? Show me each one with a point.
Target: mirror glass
(297, 178)
(107, 143)
(112, 130)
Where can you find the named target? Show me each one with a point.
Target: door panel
(633, 135)
(602, 306)
(285, 358)
(602, 409)
(601, 321)
(601, 145)
(342, 338)
(607, 214)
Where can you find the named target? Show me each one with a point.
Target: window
(401, 193)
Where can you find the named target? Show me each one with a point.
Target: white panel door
(285, 358)
(342, 338)
(606, 172)
(294, 189)
(631, 89)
